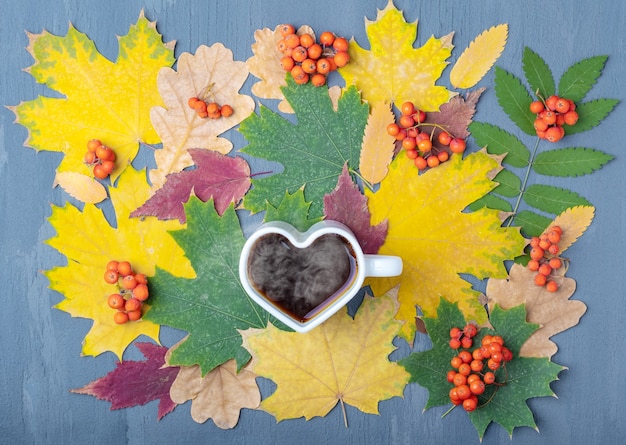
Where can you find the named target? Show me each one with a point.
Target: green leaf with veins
(213, 306)
(524, 377)
(313, 150)
(292, 209)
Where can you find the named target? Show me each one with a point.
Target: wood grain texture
(41, 346)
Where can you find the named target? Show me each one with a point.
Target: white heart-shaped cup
(304, 278)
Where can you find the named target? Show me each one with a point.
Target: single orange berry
(498, 340)
(327, 38)
(93, 144)
(555, 263)
(465, 356)
(536, 107)
(302, 80)
(463, 392)
(112, 265)
(129, 282)
(412, 154)
(90, 158)
(323, 66)
(134, 315)
(537, 253)
(99, 172)
(393, 129)
(306, 40)
(425, 145)
(287, 63)
(340, 44)
(562, 105)
(533, 265)
(315, 51)
(226, 110)
(309, 66)
(552, 286)
(200, 106)
(545, 269)
(420, 163)
(409, 143)
(459, 379)
(132, 304)
(116, 301)
(124, 268)
(141, 292)
(477, 387)
(192, 101)
(298, 73)
(282, 46)
(540, 280)
(470, 404)
(467, 342)
(443, 156)
(120, 317)
(299, 54)
(341, 58)
(433, 161)
(470, 330)
(540, 125)
(555, 134)
(489, 378)
(286, 29)
(456, 361)
(407, 108)
(454, 343)
(477, 365)
(551, 102)
(457, 145)
(571, 117)
(292, 40)
(450, 375)
(141, 278)
(444, 138)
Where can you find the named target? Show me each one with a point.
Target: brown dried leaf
(220, 395)
(554, 312)
(210, 73)
(378, 146)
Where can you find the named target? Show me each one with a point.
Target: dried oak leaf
(223, 178)
(107, 100)
(211, 74)
(378, 146)
(381, 72)
(554, 312)
(343, 360)
(134, 383)
(347, 205)
(436, 239)
(219, 395)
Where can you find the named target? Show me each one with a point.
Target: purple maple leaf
(134, 383)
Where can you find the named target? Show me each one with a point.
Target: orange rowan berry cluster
(544, 258)
(417, 144)
(100, 158)
(552, 114)
(211, 110)
(308, 60)
(132, 291)
(474, 369)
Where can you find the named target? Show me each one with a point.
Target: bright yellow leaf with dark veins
(89, 243)
(104, 100)
(343, 360)
(393, 70)
(436, 239)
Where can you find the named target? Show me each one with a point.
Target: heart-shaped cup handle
(366, 266)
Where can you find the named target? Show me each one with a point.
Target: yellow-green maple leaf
(89, 243)
(107, 100)
(343, 360)
(436, 239)
(393, 70)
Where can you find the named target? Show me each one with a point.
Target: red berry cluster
(211, 110)
(544, 257)
(307, 59)
(417, 144)
(133, 291)
(469, 376)
(100, 157)
(552, 114)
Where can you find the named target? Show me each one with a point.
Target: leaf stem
(525, 181)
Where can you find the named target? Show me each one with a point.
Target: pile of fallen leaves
(181, 222)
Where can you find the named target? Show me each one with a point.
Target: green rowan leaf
(552, 199)
(500, 142)
(514, 99)
(531, 223)
(509, 184)
(579, 78)
(292, 209)
(491, 202)
(313, 151)
(591, 114)
(569, 162)
(538, 74)
(213, 306)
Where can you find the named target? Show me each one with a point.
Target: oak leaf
(479, 57)
(210, 74)
(392, 70)
(347, 205)
(134, 383)
(223, 178)
(343, 360)
(220, 395)
(436, 239)
(378, 146)
(89, 242)
(107, 100)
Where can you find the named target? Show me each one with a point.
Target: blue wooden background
(41, 360)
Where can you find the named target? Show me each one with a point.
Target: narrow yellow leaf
(573, 221)
(81, 187)
(378, 146)
(479, 57)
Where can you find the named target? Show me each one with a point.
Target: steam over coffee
(299, 280)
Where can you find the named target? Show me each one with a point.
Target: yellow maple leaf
(393, 70)
(89, 243)
(212, 75)
(378, 146)
(479, 57)
(343, 360)
(436, 239)
(107, 100)
(220, 395)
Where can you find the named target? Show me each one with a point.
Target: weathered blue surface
(41, 359)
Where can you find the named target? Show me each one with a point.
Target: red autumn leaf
(223, 178)
(455, 116)
(347, 205)
(134, 383)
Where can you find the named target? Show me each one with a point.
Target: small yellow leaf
(220, 395)
(81, 187)
(553, 311)
(479, 57)
(343, 360)
(573, 221)
(378, 146)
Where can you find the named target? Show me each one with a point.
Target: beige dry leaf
(211, 74)
(81, 187)
(554, 312)
(378, 146)
(573, 221)
(220, 395)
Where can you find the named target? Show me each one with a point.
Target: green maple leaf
(525, 377)
(213, 306)
(292, 209)
(313, 150)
